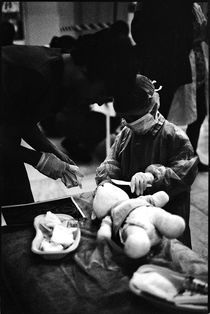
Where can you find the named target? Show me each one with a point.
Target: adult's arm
(36, 139)
(10, 135)
(46, 162)
(11, 149)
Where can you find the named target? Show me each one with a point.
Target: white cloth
(183, 110)
(183, 107)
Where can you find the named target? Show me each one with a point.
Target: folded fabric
(169, 285)
(51, 220)
(63, 235)
(50, 246)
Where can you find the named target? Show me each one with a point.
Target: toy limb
(169, 225)
(158, 199)
(105, 230)
(137, 243)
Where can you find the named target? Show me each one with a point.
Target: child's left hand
(139, 182)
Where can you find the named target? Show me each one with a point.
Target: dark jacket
(31, 78)
(30, 88)
(163, 33)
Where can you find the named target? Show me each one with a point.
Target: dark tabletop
(93, 279)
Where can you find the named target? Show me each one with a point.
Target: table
(92, 280)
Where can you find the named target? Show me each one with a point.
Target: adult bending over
(34, 80)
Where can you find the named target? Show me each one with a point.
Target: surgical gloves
(53, 167)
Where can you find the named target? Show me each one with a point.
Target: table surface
(92, 279)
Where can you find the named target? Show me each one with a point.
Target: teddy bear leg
(105, 230)
(137, 243)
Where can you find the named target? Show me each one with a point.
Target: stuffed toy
(139, 223)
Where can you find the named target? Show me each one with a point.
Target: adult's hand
(36, 139)
(65, 157)
(53, 167)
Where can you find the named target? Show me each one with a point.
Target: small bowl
(36, 243)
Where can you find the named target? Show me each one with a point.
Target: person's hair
(107, 56)
(65, 42)
(7, 33)
(121, 27)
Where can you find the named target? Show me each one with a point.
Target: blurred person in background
(35, 82)
(190, 103)
(7, 33)
(121, 28)
(200, 49)
(162, 31)
(82, 144)
(66, 43)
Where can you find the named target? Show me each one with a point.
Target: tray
(39, 237)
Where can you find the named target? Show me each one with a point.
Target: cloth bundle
(169, 285)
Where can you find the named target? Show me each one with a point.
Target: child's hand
(139, 182)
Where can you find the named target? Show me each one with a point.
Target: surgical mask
(142, 125)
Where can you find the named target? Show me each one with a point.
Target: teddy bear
(139, 223)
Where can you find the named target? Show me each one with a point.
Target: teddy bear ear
(160, 199)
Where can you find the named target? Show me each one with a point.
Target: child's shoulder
(173, 130)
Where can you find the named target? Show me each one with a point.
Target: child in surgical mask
(150, 152)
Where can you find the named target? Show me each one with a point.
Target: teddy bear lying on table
(140, 222)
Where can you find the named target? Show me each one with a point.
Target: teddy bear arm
(169, 225)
